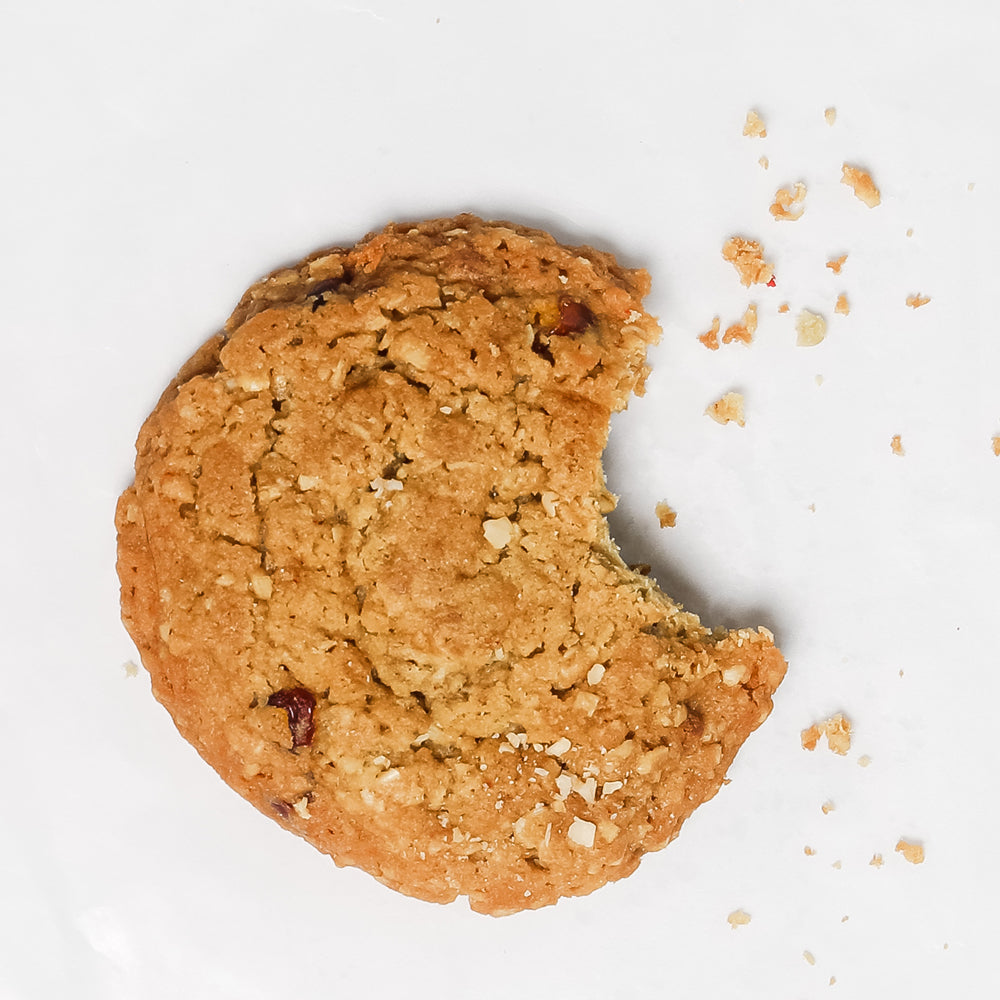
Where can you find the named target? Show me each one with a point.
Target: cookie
(366, 563)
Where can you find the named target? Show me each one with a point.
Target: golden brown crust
(366, 564)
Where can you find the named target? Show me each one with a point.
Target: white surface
(160, 157)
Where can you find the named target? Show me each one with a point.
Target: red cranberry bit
(299, 704)
(772, 283)
(574, 317)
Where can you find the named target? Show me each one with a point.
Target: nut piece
(582, 832)
(810, 328)
(862, 184)
(728, 409)
(747, 256)
(914, 853)
(754, 125)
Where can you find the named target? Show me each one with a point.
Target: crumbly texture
(743, 330)
(810, 329)
(789, 203)
(917, 300)
(728, 409)
(836, 729)
(754, 126)
(860, 181)
(747, 256)
(914, 853)
(366, 563)
(666, 515)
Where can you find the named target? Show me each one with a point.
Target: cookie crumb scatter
(860, 181)
(810, 329)
(876, 861)
(764, 162)
(788, 204)
(827, 807)
(754, 126)
(864, 760)
(666, 515)
(914, 853)
(728, 409)
(916, 301)
(747, 256)
(743, 330)
(738, 918)
(809, 957)
(837, 263)
(896, 444)
(711, 337)
(830, 115)
(131, 669)
(842, 307)
(836, 729)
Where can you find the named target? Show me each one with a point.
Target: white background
(159, 157)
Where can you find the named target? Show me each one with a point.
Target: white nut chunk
(498, 531)
(582, 832)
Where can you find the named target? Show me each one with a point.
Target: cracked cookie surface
(366, 563)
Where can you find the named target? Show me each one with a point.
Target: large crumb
(863, 185)
(754, 125)
(836, 729)
(916, 301)
(710, 338)
(666, 515)
(747, 256)
(810, 328)
(896, 444)
(789, 204)
(738, 918)
(728, 409)
(842, 306)
(914, 853)
(743, 330)
(830, 115)
(837, 263)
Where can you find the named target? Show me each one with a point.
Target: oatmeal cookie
(366, 563)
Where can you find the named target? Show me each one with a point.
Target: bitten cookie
(366, 563)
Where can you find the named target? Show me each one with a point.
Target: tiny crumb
(914, 853)
(842, 305)
(972, 185)
(901, 673)
(788, 205)
(844, 919)
(744, 330)
(783, 308)
(896, 444)
(728, 409)
(916, 301)
(995, 441)
(819, 379)
(836, 865)
(808, 851)
(812, 508)
(837, 263)
(738, 918)
(747, 256)
(909, 232)
(808, 956)
(860, 181)
(827, 807)
(830, 115)
(837, 730)
(666, 515)
(946, 946)
(864, 760)
(833, 979)
(131, 669)
(876, 861)
(711, 337)
(764, 162)
(754, 126)
(810, 329)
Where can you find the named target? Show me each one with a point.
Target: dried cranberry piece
(574, 317)
(299, 704)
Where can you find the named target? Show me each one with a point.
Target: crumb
(764, 162)
(747, 256)
(996, 445)
(808, 956)
(827, 807)
(862, 183)
(901, 673)
(754, 126)
(744, 330)
(812, 507)
(833, 979)
(909, 232)
(711, 338)
(916, 301)
(876, 861)
(131, 669)
(837, 730)
(844, 919)
(830, 115)
(842, 305)
(972, 185)
(897, 445)
(836, 865)
(864, 760)
(783, 308)
(810, 327)
(666, 515)
(914, 853)
(727, 409)
(837, 263)
(738, 918)
(809, 851)
(788, 205)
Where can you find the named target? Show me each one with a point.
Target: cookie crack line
(366, 562)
